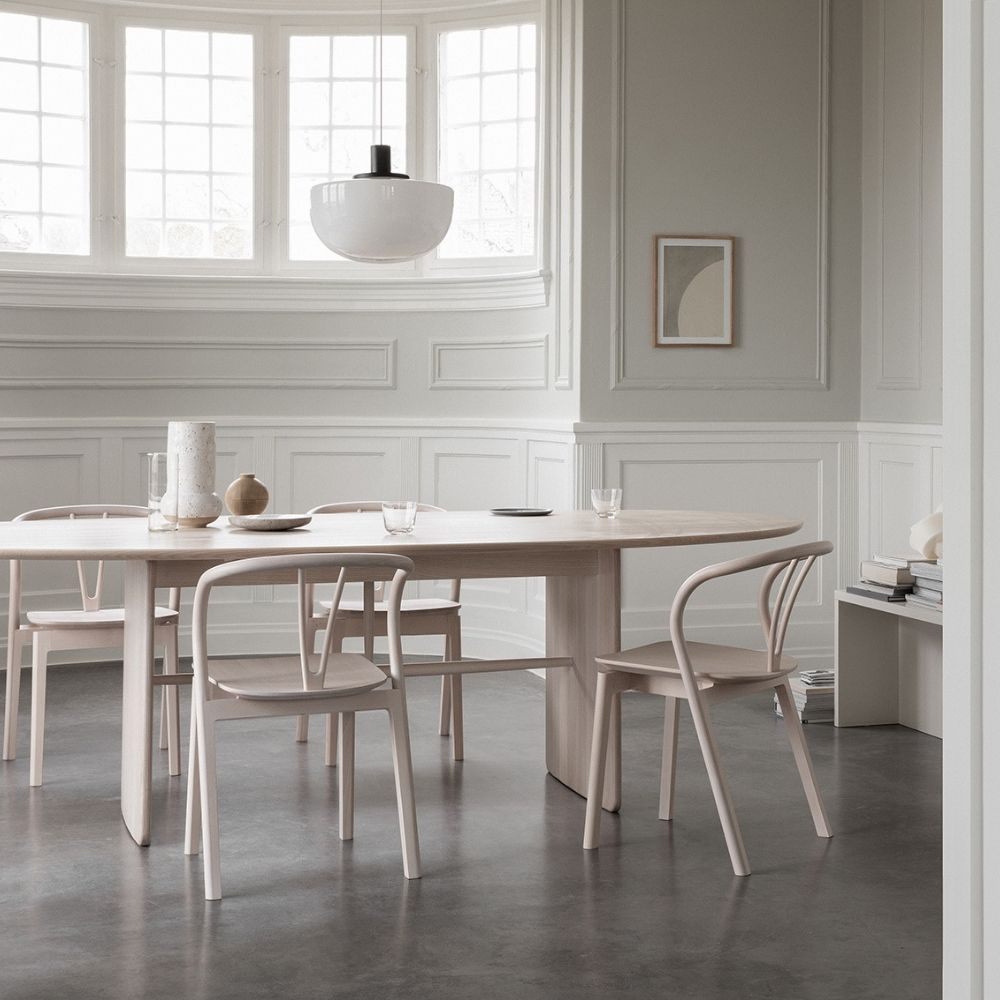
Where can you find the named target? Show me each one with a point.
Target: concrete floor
(509, 906)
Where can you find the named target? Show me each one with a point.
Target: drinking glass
(606, 502)
(399, 516)
(162, 490)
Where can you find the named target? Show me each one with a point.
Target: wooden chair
(419, 616)
(702, 674)
(92, 627)
(299, 685)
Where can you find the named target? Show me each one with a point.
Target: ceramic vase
(197, 504)
(246, 495)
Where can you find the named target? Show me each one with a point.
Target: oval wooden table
(578, 553)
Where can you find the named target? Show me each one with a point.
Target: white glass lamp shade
(381, 220)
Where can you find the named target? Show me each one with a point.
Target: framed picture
(693, 291)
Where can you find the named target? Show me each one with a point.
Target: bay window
(136, 143)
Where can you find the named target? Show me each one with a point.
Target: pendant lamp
(381, 217)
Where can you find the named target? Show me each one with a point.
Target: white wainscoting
(860, 487)
(901, 481)
(808, 471)
(305, 462)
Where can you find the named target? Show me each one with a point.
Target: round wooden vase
(246, 495)
(194, 504)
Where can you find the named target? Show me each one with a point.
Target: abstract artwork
(694, 291)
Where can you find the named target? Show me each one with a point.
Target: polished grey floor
(509, 905)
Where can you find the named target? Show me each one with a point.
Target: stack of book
(884, 578)
(813, 694)
(928, 585)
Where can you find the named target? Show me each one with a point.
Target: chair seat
(407, 607)
(103, 618)
(280, 677)
(719, 664)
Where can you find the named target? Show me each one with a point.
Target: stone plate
(268, 522)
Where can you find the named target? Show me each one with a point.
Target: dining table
(577, 552)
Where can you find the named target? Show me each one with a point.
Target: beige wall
(744, 119)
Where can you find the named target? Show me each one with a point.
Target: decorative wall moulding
(52, 290)
(332, 364)
(818, 379)
(504, 363)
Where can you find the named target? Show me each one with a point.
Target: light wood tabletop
(449, 530)
(578, 553)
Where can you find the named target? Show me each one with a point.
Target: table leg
(582, 620)
(137, 699)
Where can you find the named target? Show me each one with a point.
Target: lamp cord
(381, 71)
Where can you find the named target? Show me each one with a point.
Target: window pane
(186, 99)
(191, 148)
(62, 42)
(333, 111)
(18, 36)
(20, 136)
(232, 55)
(487, 139)
(44, 135)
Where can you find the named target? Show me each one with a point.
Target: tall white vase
(197, 504)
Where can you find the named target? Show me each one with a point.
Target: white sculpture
(927, 535)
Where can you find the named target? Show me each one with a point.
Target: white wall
(901, 317)
(709, 117)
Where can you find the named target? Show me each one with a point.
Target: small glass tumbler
(400, 516)
(607, 502)
(163, 488)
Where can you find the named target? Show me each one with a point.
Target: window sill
(255, 293)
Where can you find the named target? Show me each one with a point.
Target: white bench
(888, 661)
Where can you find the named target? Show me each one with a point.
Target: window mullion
(267, 122)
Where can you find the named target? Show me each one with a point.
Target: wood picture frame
(693, 291)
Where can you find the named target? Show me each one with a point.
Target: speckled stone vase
(246, 495)
(194, 444)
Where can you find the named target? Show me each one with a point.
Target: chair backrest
(363, 507)
(306, 571)
(794, 562)
(368, 507)
(91, 599)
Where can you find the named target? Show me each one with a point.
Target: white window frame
(187, 265)
(394, 26)
(107, 279)
(19, 260)
(434, 28)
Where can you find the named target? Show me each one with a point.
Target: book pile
(813, 694)
(884, 578)
(928, 585)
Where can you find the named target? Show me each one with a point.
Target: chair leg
(406, 804)
(346, 775)
(13, 695)
(598, 759)
(192, 819)
(668, 768)
(170, 705)
(333, 719)
(163, 741)
(302, 722)
(803, 760)
(332, 725)
(209, 806)
(444, 719)
(454, 652)
(39, 671)
(720, 790)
